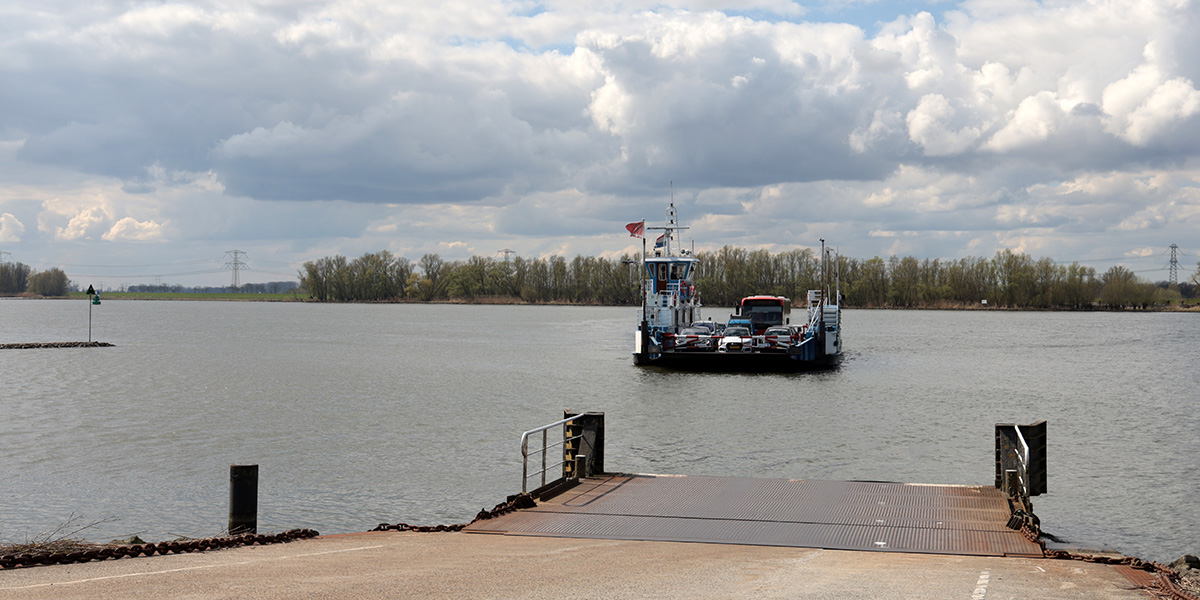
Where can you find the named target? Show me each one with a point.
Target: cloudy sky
(141, 141)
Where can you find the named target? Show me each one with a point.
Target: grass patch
(64, 538)
(282, 297)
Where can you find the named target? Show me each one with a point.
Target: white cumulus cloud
(11, 228)
(130, 229)
(349, 126)
(936, 126)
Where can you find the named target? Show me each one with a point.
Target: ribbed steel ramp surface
(841, 515)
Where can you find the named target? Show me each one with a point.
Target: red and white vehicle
(695, 339)
(779, 338)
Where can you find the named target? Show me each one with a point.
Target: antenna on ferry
(824, 269)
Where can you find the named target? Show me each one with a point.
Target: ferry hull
(747, 362)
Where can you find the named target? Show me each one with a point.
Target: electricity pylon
(236, 265)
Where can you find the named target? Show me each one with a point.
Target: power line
(271, 273)
(1114, 259)
(170, 264)
(205, 272)
(278, 262)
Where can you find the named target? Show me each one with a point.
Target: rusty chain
(12, 561)
(1167, 577)
(514, 503)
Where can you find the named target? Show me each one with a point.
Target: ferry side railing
(577, 452)
(1021, 462)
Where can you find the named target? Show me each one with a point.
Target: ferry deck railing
(582, 436)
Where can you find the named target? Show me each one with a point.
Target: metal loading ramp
(838, 515)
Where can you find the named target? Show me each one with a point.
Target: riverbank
(1186, 305)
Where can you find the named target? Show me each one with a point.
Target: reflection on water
(361, 414)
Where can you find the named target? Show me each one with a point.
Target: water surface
(362, 414)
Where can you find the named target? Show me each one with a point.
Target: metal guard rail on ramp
(582, 446)
(854, 515)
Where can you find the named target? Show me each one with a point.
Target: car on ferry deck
(778, 338)
(695, 339)
(736, 339)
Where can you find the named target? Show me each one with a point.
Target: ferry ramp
(837, 515)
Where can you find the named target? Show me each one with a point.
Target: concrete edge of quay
(444, 565)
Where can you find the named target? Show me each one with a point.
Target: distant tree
(52, 282)
(905, 276)
(471, 279)
(1167, 293)
(14, 277)
(432, 284)
(1187, 290)
(1118, 287)
(1015, 278)
(1081, 286)
(871, 288)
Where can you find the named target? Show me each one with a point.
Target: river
(363, 414)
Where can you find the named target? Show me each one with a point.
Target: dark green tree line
(1007, 280)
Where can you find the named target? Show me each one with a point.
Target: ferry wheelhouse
(759, 335)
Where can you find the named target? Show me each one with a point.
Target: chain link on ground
(13, 561)
(1167, 578)
(514, 503)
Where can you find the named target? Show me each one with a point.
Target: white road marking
(981, 586)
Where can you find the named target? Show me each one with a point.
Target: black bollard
(243, 499)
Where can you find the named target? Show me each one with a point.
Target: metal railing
(1022, 470)
(1021, 460)
(546, 445)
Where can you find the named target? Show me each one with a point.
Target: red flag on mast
(636, 229)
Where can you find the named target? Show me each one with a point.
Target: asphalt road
(462, 565)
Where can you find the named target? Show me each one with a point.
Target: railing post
(243, 499)
(585, 428)
(1006, 453)
(1035, 436)
(1021, 462)
(590, 427)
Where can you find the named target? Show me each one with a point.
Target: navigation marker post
(95, 301)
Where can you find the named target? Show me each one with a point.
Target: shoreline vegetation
(1182, 305)
(1007, 281)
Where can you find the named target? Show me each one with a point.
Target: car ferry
(758, 336)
